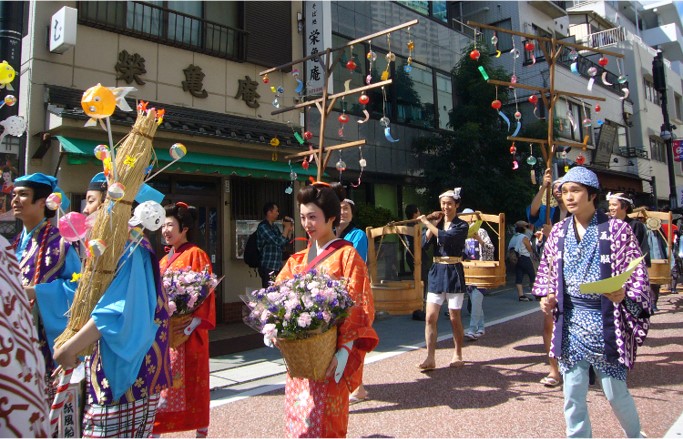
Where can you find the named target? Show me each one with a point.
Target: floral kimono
(321, 408)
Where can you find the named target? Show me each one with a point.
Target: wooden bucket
(397, 297)
(660, 272)
(484, 274)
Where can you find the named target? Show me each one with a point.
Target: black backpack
(252, 256)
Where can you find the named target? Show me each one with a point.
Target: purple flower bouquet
(187, 289)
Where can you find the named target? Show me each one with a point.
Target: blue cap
(98, 183)
(47, 183)
(581, 175)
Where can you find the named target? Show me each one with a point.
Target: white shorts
(455, 300)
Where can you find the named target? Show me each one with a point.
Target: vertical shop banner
(318, 36)
(677, 146)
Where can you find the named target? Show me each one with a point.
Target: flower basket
(187, 289)
(309, 357)
(177, 337)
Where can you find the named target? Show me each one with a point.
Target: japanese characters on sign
(193, 82)
(247, 92)
(318, 36)
(677, 146)
(130, 67)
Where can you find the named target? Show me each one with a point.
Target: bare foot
(456, 362)
(427, 365)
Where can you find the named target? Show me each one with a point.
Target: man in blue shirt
(271, 242)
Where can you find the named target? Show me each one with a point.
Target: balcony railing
(154, 23)
(605, 38)
(631, 152)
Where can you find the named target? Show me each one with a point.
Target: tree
(476, 155)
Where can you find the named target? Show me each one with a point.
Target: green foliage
(476, 155)
(367, 215)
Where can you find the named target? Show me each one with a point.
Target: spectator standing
(522, 245)
(477, 248)
(271, 242)
(599, 331)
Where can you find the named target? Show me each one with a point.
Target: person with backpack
(270, 242)
(521, 244)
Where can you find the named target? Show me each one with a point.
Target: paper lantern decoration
(513, 149)
(177, 151)
(341, 165)
(496, 104)
(518, 115)
(533, 99)
(351, 65)
(529, 46)
(72, 226)
(474, 55)
(53, 201)
(149, 215)
(116, 191)
(364, 99)
(603, 61)
(343, 118)
(265, 79)
(597, 108)
(308, 135)
(102, 152)
(10, 100)
(97, 247)
(580, 159)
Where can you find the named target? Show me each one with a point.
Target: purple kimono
(626, 324)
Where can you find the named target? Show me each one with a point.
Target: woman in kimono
(595, 331)
(446, 277)
(185, 406)
(321, 408)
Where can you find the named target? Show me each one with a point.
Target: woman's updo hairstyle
(185, 215)
(323, 196)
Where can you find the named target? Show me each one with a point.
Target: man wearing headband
(47, 261)
(593, 331)
(271, 242)
(446, 277)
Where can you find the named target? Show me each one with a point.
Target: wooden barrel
(397, 297)
(484, 274)
(660, 272)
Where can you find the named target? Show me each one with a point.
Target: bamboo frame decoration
(326, 102)
(112, 226)
(551, 48)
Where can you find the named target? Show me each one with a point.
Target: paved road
(496, 395)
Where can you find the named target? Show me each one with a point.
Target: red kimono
(187, 402)
(321, 408)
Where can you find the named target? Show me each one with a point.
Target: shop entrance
(204, 194)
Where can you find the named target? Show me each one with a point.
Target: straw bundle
(309, 357)
(132, 157)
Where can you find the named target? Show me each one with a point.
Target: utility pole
(11, 21)
(660, 86)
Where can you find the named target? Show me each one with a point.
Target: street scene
(316, 218)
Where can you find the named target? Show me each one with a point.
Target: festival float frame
(659, 270)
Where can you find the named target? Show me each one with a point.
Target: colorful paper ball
(622, 79)
(573, 55)
(494, 40)
(518, 115)
(580, 159)
(603, 61)
(597, 108)
(587, 122)
(308, 135)
(97, 247)
(341, 165)
(116, 191)
(496, 104)
(72, 226)
(531, 160)
(102, 152)
(351, 65)
(533, 99)
(10, 100)
(592, 71)
(474, 55)
(513, 149)
(53, 201)
(265, 79)
(362, 163)
(177, 151)
(371, 56)
(364, 99)
(529, 46)
(343, 118)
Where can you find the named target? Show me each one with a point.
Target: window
(650, 93)
(206, 27)
(444, 97)
(414, 95)
(568, 111)
(435, 9)
(677, 106)
(657, 149)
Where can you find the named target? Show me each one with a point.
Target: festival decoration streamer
(573, 57)
(531, 160)
(371, 57)
(592, 71)
(515, 54)
(364, 100)
(390, 57)
(292, 178)
(340, 165)
(483, 73)
(530, 47)
(384, 121)
(411, 46)
(533, 100)
(518, 114)
(362, 163)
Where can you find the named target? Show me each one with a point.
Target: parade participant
(348, 231)
(129, 365)
(321, 408)
(48, 262)
(25, 407)
(271, 242)
(185, 406)
(593, 330)
(521, 243)
(536, 214)
(477, 248)
(96, 194)
(446, 277)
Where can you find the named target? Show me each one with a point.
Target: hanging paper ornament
(604, 78)
(513, 149)
(518, 115)
(299, 83)
(592, 71)
(265, 79)
(351, 65)
(102, 152)
(72, 226)
(371, 56)
(483, 73)
(622, 79)
(363, 99)
(599, 122)
(305, 164)
(340, 165)
(276, 102)
(603, 61)
(587, 122)
(293, 175)
(177, 151)
(280, 90)
(530, 47)
(53, 201)
(97, 247)
(533, 99)
(496, 104)
(391, 57)
(580, 159)
(362, 163)
(308, 135)
(411, 45)
(513, 79)
(384, 121)
(597, 108)
(298, 138)
(515, 165)
(387, 135)
(408, 66)
(343, 118)
(275, 142)
(474, 55)
(531, 160)
(116, 191)
(494, 43)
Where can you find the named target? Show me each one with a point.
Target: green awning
(80, 151)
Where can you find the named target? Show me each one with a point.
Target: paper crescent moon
(498, 53)
(347, 85)
(626, 93)
(367, 117)
(604, 78)
(300, 86)
(387, 134)
(519, 126)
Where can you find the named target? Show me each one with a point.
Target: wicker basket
(309, 357)
(176, 323)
